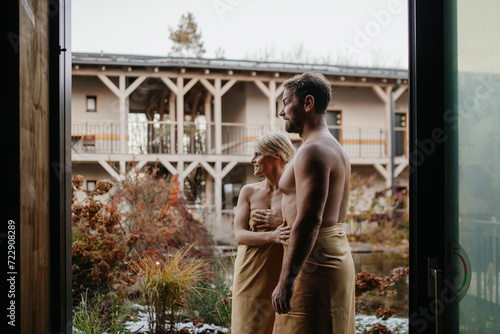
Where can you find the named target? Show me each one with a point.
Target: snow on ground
(395, 325)
(142, 325)
(363, 323)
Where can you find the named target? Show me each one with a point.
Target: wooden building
(201, 116)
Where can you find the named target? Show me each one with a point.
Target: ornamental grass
(165, 285)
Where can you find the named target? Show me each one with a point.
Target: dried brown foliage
(153, 207)
(385, 312)
(379, 329)
(98, 251)
(384, 208)
(366, 282)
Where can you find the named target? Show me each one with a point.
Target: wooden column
(171, 115)
(385, 96)
(272, 94)
(32, 311)
(179, 89)
(217, 90)
(122, 92)
(208, 118)
(180, 120)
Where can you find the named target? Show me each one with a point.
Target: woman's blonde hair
(273, 143)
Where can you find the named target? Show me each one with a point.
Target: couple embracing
(294, 271)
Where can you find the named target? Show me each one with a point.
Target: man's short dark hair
(314, 84)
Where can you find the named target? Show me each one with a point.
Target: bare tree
(220, 53)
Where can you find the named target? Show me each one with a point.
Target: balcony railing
(199, 138)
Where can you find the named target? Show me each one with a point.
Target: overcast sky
(353, 32)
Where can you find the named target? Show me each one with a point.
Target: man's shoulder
(316, 149)
(322, 151)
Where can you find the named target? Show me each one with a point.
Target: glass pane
(333, 119)
(479, 162)
(399, 134)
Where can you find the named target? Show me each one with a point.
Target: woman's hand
(281, 234)
(268, 218)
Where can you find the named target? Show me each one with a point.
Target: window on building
(334, 122)
(400, 134)
(91, 185)
(91, 103)
(230, 194)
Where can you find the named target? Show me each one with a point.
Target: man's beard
(291, 127)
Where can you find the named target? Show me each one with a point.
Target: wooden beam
(180, 116)
(399, 92)
(239, 77)
(29, 238)
(382, 171)
(218, 191)
(400, 168)
(110, 170)
(169, 166)
(137, 167)
(279, 90)
(208, 86)
(208, 168)
(228, 168)
(262, 87)
(272, 103)
(189, 85)
(92, 157)
(134, 85)
(218, 115)
(123, 115)
(208, 118)
(228, 86)
(189, 169)
(382, 94)
(109, 84)
(171, 116)
(170, 85)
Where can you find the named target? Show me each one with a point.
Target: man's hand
(282, 297)
(268, 218)
(281, 234)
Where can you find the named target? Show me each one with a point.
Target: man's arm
(312, 176)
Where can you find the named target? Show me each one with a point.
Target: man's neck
(312, 129)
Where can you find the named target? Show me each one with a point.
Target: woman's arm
(241, 229)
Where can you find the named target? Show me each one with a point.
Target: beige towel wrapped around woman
(319, 304)
(256, 273)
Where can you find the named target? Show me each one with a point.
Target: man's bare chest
(287, 181)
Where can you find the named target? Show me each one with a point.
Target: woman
(260, 233)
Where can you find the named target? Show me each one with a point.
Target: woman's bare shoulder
(251, 188)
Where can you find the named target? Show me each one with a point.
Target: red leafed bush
(153, 207)
(99, 251)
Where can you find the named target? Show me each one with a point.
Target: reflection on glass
(479, 162)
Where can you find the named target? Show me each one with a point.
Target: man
(315, 293)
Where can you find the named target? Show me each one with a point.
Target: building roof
(228, 64)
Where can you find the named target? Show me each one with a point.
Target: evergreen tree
(186, 38)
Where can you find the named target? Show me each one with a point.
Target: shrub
(165, 286)
(100, 314)
(367, 282)
(210, 302)
(153, 207)
(98, 252)
(383, 208)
